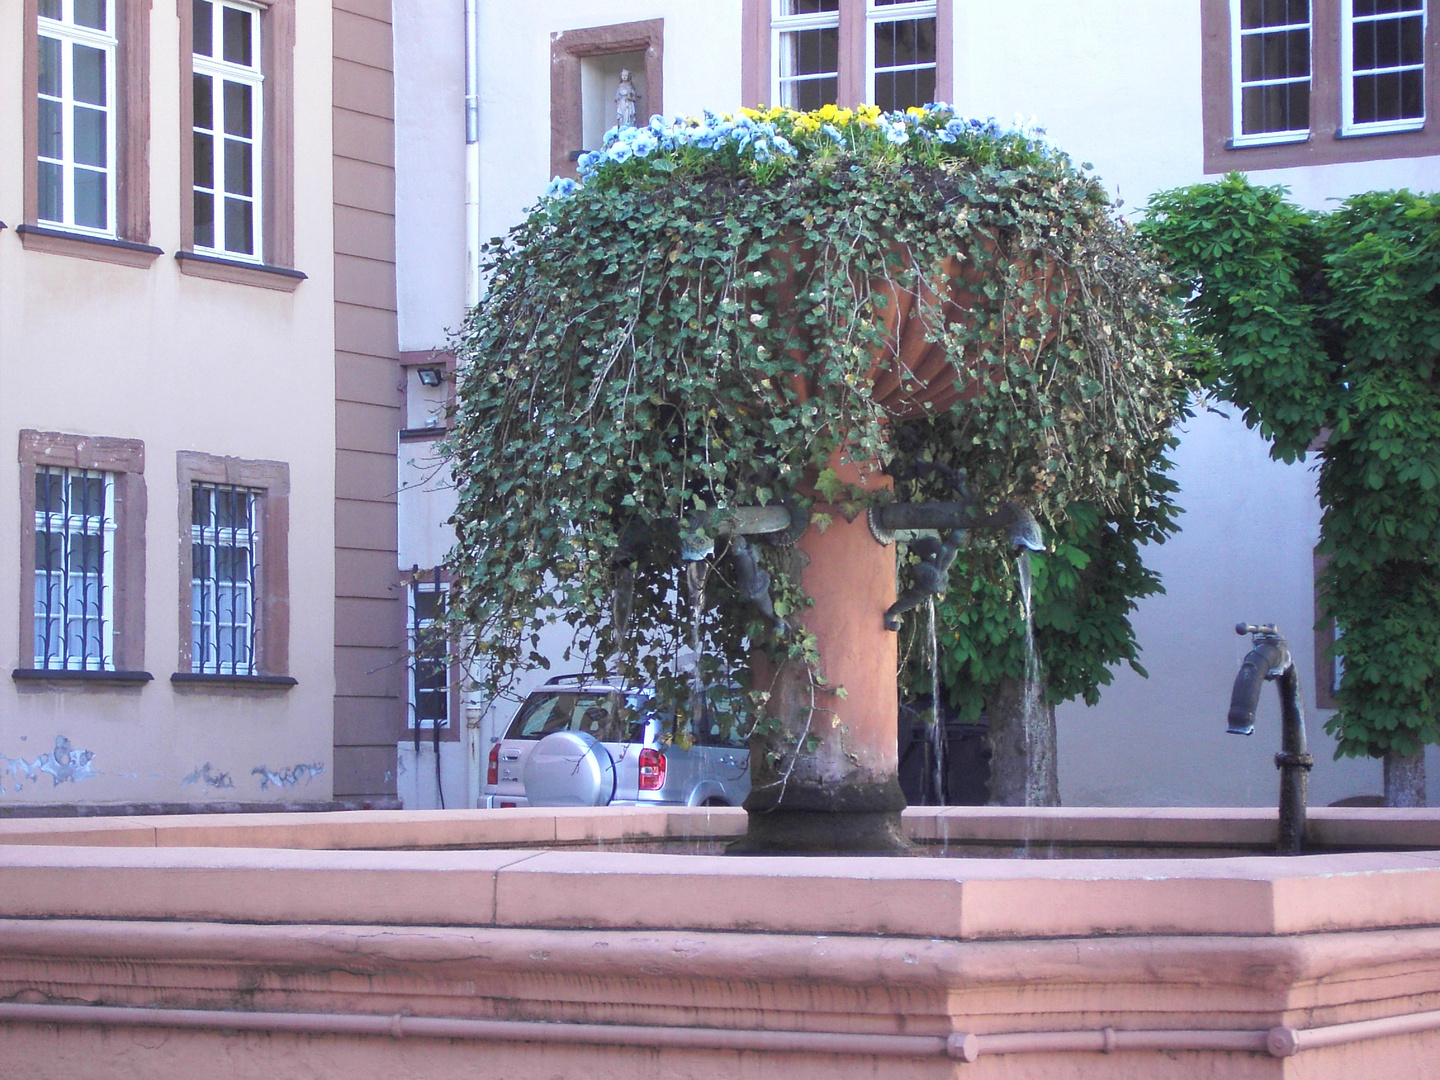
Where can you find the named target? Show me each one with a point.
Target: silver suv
(580, 742)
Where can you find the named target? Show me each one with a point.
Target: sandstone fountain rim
(53, 868)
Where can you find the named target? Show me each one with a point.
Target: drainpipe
(472, 153)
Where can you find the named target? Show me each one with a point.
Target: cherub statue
(627, 101)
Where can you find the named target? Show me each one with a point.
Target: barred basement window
(430, 655)
(227, 104)
(1382, 57)
(900, 53)
(75, 124)
(224, 545)
(74, 569)
(1270, 54)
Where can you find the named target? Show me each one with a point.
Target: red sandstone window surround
(808, 53)
(82, 558)
(1367, 90)
(86, 130)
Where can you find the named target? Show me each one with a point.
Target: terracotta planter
(844, 796)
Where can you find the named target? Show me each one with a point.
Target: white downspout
(472, 153)
(476, 760)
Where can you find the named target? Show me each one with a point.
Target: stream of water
(696, 572)
(937, 727)
(1031, 703)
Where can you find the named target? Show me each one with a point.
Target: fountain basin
(384, 944)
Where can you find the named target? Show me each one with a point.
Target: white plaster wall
(184, 364)
(702, 70)
(429, 170)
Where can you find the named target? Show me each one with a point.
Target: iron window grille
(75, 120)
(1270, 51)
(1382, 59)
(429, 654)
(900, 53)
(74, 569)
(227, 102)
(224, 546)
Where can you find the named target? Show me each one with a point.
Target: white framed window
(224, 562)
(75, 130)
(1382, 66)
(900, 53)
(805, 42)
(1270, 56)
(429, 643)
(74, 569)
(227, 101)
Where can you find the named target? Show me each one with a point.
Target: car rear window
(613, 716)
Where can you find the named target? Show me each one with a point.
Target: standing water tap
(1270, 659)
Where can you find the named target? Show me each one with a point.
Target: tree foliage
(698, 327)
(1328, 324)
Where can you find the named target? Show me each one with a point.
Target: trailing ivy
(697, 326)
(1326, 329)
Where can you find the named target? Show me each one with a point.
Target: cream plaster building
(198, 380)
(1333, 97)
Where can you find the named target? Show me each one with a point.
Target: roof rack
(578, 677)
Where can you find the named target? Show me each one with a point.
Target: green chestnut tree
(1325, 330)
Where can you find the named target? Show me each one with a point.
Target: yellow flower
(868, 114)
(827, 113)
(776, 112)
(843, 117)
(917, 111)
(753, 114)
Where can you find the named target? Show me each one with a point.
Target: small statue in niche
(627, 101)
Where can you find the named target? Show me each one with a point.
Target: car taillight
(492, 774)
(652, 770)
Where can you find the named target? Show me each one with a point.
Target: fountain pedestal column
(844, 795)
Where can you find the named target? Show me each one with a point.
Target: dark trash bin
(966, 779)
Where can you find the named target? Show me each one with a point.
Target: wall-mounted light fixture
(430, 376)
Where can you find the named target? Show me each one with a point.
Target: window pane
(51, 196)
(809, 94)
(237, 167)
(902, 89)
(239, 232)
(204, 104)
(90, 13)
(911, 41)
(1412, 95)
(204, 219)
(90, 199)
(1284, 107)
(50, 130)
(203, 28)
(1412, 41)
(237, 35)
(90, 137)
(204, 161)
(1384, 7)
(1259, 13)
(50, 9)
(49, 66)
(237, 109)
(809, 52)
(89, 75)
(806, 7)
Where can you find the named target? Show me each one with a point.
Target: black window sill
(108, 678)
(83, 246)
(249, 682)
(423, 434)
(238, 271)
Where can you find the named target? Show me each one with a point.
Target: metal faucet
(1270, 659)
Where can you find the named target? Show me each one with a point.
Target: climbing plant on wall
(696, 326)
(1326, 330)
